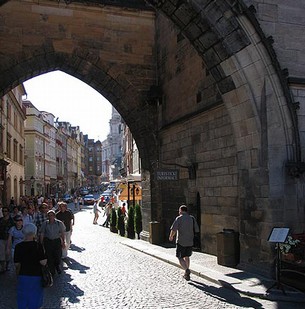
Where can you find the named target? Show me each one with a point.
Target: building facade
(50, 176)
(61, 161)
(35, 144)
(131, 161)
(70, 156)
(12, 143)
(112, 148)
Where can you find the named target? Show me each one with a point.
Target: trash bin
(228, 249)
(155, 233)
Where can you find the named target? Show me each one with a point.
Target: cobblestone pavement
(103, 273)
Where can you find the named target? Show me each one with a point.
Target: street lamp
(137, 191)
(32, 185)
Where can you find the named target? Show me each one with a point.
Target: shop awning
(134, 177)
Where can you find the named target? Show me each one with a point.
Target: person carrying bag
(29, 257)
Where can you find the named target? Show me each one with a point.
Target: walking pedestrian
(124, 209)
(54, 203)
(76, 204)
(53, 238)
(41, 216)
(12, 204)
(28, 257)
(15, 236)
(184, 227)
(25, 216)
(81, 203)
(107, 213)
(67, 217)
(40, 200)
(6, 222)
(15, 212)
(96, 212)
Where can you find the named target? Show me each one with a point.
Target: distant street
(103, 273)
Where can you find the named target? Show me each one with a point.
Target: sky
(71, 100)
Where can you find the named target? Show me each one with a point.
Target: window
(8, 146)
(1, 138)
(20, 128)
(15, 153)
(8, 110)
(15, 121)
(21, 155)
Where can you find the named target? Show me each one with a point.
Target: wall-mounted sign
(167, 174)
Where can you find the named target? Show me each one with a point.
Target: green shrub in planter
(138, 220)
(113, 221)
(121, 223)
(130, 223)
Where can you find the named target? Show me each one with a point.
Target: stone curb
(252, 289)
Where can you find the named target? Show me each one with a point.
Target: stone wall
(195, 127)
(262, 132)
(284, 22)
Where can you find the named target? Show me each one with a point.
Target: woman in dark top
(28, 258)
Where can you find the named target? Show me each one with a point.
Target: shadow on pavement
(168, 245)
(76, 248)
(225, 295)
(74, 265)
(64, 292)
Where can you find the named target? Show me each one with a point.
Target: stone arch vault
(112, 49)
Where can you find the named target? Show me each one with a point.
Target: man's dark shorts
(182, 252)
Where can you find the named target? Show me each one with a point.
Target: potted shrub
(121, 222)
(130, 223)
(113, 221)
(287, 248)
(138, 220)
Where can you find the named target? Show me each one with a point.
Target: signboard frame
(279, 234)
(166, 174)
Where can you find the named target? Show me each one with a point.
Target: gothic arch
(242, 61)
(227, 37)
(119, 92)
(226, 34)
(125, 83)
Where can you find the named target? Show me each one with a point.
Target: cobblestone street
(103, 273)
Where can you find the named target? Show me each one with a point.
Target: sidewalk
(205, 266)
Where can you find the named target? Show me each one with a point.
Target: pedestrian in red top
(124, 209)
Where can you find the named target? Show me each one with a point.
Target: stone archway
(123, 72)
(111, 48)
(237, 55)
